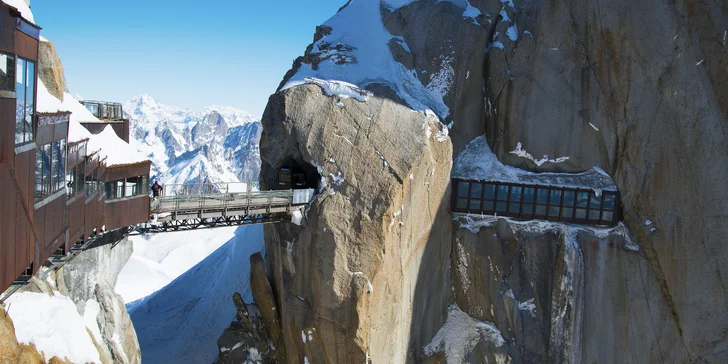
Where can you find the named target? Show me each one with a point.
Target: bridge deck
(172, 208)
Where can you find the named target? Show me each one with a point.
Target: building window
(7, 72)
(25, 100)
(130, 187)
(59, 164)
(43, 172)
(50, 169)
(92, 185)
(74, 180)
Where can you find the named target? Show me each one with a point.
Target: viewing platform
(532, 201)
(107, 113)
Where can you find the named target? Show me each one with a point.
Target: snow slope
(181, 322)
(52, 322)
(158, 259)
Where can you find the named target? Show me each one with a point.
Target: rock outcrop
(634, 89)
(50, 69)
(246, 340)
(362, 279)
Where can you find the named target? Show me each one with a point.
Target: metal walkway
(183, 212)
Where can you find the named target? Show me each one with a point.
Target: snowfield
(52, 322)
(179, 289)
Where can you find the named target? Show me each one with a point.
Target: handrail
(580, 205)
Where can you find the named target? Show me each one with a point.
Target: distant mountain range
(214, 144)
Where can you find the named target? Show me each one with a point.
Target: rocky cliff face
(362, 279)
(634, 89)
(50, 69)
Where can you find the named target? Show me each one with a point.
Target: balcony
(108, 113)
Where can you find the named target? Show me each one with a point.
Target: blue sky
(182, 53)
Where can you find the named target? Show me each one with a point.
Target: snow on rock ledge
(460, 334)
(478, 162)
(342, 89)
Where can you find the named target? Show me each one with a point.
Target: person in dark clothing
(156, 189)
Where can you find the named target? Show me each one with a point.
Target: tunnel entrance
(294, 175)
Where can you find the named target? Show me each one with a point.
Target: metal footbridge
(195, 206)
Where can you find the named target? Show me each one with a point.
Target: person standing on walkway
(156, 190)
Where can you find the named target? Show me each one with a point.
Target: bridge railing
(208, 188)
(525, 201)
(222, 201)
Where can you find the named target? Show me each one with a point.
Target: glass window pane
(60, 155)
(489, 192)
(595, 201)
(580, 214)
(554, 211)
(131, 186)
(607, 216)
(20, 101)
(542, 196)
(501, 207)
(120, 189)
(594, 215)
(475, 205)
(55, 166)
(488, 206)
(145, 185)
(462, 203)
(540, 210)
(7, 72)
(527, 209)
(609, 200)
(581, 199)
(39, 165)
(476, 190)
(515, 194)
(567, 212)
(463, 189)
(514, 208)
(555, 197)
(502, 193)
(569, 198)
(29, 100)
(528, 194)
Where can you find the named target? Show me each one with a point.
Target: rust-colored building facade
(54, 193)
(19, 244)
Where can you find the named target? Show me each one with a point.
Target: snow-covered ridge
(356, 51)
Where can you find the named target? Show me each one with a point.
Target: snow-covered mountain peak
(213, 144)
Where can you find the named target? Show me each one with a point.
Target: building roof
(117, 151)
(22, 8)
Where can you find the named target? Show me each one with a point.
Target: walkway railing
(181, 207)
(104, 110)
(208, 188)
(561, 204)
